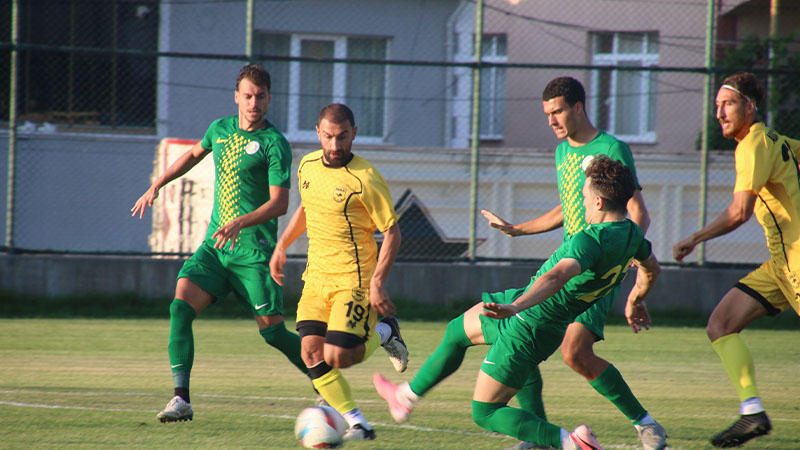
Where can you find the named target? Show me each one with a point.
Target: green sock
(530, 396)
(287, 342)
(181, 340)
(515, 422)
(445, 360)
(612, 386)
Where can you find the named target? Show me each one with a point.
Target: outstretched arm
(545, 286)
(549, 221)
(734, 216)
(179, 167)
(295, 228)
(378, 297)
(635, 309)
(638, 211)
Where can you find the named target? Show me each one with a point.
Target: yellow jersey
(343, 207)
(766, 163)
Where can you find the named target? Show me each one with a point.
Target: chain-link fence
(103, 94)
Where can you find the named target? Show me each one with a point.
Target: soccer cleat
(584, 438)
(522, 445)
(748, 426)
(395, 346)
(652, 435)
(388, 391)
(358, 433)
(177, 410)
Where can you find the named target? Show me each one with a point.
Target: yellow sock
(372, 343)
(335, 390)
(738, 363)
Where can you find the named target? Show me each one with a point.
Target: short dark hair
(612, 180)
(567, 87)
(747, 85)
(257, 74)
(337, 113)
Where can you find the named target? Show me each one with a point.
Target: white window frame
(614, 59)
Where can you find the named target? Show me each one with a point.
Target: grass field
(98, 383)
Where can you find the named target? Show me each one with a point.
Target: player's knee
(341, 358)
(181, 311)
(482, 414)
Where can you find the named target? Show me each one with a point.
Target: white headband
(731, 88)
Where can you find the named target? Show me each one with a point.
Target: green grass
(98, 383)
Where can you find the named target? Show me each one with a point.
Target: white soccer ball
(320, 427)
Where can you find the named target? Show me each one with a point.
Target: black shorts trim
(311, 328)
(771, 310)
(344, 340)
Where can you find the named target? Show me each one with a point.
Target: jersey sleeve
(208, 139)
(378, 201)
(280, 163)
(644, 251)
(621, 152)
(752, 172)
(582, 248)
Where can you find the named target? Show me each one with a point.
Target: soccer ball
(320, 427)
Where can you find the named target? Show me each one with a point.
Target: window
(625, 101)
(83, 88)
(301, 88)
(493, 89)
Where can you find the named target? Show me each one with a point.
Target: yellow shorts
(344, 308)
(774, 287)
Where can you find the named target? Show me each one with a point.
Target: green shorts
(243, 271)
(594, 318)
(519, 348)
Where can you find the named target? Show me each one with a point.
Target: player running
(343, 200)
(533, 320)
(767, 184)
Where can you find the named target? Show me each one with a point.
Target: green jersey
(604, 252)
(246, 164)
(571, 175)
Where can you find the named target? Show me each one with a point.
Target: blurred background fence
(101, 95)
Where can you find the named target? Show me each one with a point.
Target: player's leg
(577, 349)
(737, 309)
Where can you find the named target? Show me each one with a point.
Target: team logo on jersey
(252, 147)
(339, 193)
(306, 184)
(586, 161)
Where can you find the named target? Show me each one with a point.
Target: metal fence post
(707, 89)
(12, 125)
(476, 116)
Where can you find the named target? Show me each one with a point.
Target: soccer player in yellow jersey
(343, 200)
(767, 184)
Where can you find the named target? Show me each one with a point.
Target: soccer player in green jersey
(767, 186)
(564, 101)
(533, 320)
(252, 164)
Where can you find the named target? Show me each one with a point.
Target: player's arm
(635, 309)
(179, 167)
(737, 213)
(378, 297)
(276, 206)
(549, 221)
(638, 211)
(545, 286)
(295, 228)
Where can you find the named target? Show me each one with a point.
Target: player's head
(252, 94)
(608, 187)
(336, 129)
(737, 103)
(563, 101)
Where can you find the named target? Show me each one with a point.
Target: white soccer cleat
(177, 410)
(395, 346)
(358, 433)
(388, 391)
(584, 439)
(652, 435)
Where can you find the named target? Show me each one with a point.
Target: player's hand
(637, 316)
(227, 233)
(500, 224)
(498, 310)
(144, 201)
(276, 263)
(379, 300)
(683, 248)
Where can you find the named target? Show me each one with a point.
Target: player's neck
(583, 135)
(245, 125)
(607, 216)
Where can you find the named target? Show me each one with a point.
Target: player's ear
(355, 130)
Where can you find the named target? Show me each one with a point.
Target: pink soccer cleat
(584, 438)
(388, 391)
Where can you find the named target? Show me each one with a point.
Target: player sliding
(525, 326)
(767, 185)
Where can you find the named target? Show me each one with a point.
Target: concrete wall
(696, 289)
